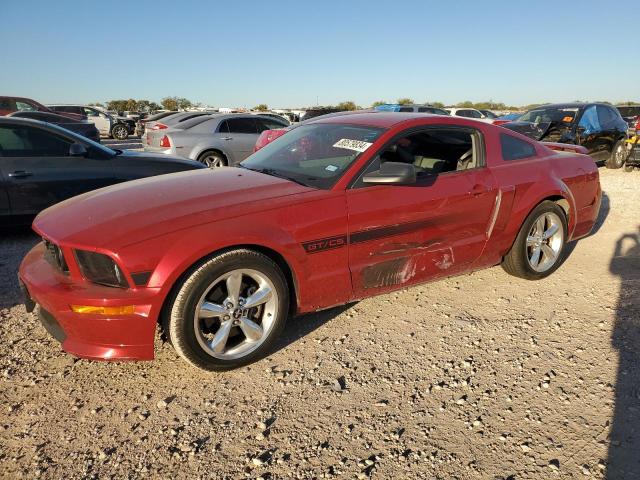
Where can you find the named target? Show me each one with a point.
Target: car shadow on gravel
(14, 244)
(623, 460)
(605, 208)
(302, 325)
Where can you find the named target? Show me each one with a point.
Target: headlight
(101, 269)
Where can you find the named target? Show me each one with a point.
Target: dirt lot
(479, 376)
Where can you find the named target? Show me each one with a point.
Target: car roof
(373, 118)
(568, 105)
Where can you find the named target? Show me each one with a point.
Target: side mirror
(77, 150)
(394, 173)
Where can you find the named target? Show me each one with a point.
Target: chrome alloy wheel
(213, 161)
(236, 314)
(545, 241)
(620, 155)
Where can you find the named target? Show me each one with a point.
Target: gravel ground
(478, 376)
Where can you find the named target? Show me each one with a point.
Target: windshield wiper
(274, 173)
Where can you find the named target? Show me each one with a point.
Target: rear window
(192, 122)
(514, 148)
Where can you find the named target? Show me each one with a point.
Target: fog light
(90, 309)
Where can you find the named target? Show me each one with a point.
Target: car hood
(132, 212)
(133, 155)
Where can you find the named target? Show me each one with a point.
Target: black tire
(179, 317)
(119, 132)
(516, 261)
(617, 157)
(213, 159)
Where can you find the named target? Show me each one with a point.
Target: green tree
(170, 103)
(261, 107)
(153, 107)
(405, 101)
(96, 104)
(348, 105)
(184, 104)
(132, 105)
(117, 105)
(436, 104)
(378, 103)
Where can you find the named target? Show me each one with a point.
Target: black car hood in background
(547, 131)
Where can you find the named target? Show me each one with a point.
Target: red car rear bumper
(92, 336)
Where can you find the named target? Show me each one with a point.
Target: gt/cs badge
(315, 246)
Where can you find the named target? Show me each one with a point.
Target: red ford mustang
(336, 210)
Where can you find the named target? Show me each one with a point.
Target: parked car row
(42, 164)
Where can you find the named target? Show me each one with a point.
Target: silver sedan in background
(215, 140)
(153, 129)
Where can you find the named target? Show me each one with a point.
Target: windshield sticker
(331, 168)
(357, 145)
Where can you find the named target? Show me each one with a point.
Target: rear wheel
(539, 247)
(228, 311)
(618, 155)
(213, 159)
(119, 132)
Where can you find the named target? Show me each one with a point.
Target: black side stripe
(390, 231)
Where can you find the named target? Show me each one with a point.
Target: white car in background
(470, 113)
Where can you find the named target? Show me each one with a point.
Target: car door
(39, 171)
(405, 234)
(99, 119)
(238, 136)
(590, 135)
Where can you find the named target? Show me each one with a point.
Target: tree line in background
(181, 103)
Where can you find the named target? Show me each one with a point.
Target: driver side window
(19, 141)
(435, 151)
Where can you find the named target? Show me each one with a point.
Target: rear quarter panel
(526, 182)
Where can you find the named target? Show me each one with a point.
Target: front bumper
(92, 336)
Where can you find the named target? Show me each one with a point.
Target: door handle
(20, 174)
(226, 138)
(478, 190)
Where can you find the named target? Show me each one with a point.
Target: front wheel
(618, 155)
(228, 311)
(538, 249)
(119, 132)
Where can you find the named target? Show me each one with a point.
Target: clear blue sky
(288, 53)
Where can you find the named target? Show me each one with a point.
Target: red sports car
(336, 210)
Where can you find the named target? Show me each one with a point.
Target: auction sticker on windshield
(357, 145)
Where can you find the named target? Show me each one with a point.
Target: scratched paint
(391, 272)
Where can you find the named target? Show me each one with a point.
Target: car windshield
(316, 155)
(551, 114)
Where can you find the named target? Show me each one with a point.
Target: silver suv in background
(216, 140)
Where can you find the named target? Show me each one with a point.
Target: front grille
(53, 255)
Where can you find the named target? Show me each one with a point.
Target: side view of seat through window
(436, 151)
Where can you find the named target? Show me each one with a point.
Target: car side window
(268, 124)
(434, 151)
(406, 109)
(242, 125)
(89, 112)
(224, 127)
(25, 107)
(20, 141)
(590, 121)
(515, 148)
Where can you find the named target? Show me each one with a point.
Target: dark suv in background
(596, 126)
